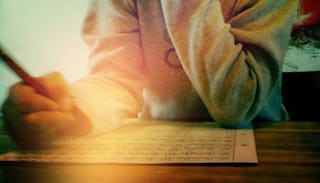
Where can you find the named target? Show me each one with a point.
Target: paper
(152, 143)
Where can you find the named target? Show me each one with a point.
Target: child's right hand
(34, 121)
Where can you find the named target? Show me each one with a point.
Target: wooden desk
(287, 152)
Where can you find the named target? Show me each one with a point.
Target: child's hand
(34, 120)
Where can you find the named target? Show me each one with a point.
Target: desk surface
(287, 152)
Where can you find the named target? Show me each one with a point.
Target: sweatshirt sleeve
(112, 91)
(232, 52)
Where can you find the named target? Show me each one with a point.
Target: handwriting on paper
(149, 143)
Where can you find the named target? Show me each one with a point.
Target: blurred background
(44, 36)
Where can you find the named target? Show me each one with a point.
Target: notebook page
(151, 143)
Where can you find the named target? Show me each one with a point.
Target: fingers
(34, 120)
(47, 121)
(38, 128)
(26, 100)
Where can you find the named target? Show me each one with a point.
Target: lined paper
(151, 143)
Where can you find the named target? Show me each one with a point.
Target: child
(163, 59)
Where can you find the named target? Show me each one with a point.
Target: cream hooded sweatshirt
(185, 60)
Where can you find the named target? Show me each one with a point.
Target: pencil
(27, 79)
